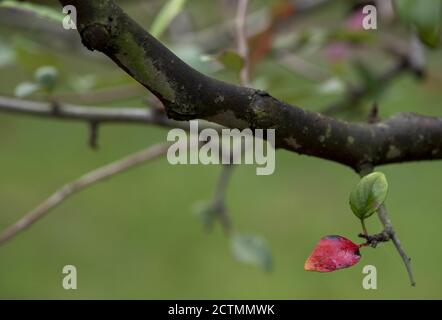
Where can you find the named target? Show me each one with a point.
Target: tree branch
(101, 115)
(81, 183)
(188, 94)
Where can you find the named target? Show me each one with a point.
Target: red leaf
(333, 253)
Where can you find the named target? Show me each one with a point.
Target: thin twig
(241, 34)
(383, 216)
(373, 115)
(373, 240)
(102, 115)
(81, 183)
(93, 134)
(218, 202)
(364, 228)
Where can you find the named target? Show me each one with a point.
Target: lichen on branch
(188, 94)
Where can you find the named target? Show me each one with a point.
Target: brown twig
(218, 203)
(364, 228)
(102, 115)
(241, 34)
(388, 228)
(93, 134)
(373, 116)
(81, 183)
(373, 240)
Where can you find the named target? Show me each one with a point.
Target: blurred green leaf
(38, 9)
(231, 60)
(47, 77)
(252, 249)
(425, 16)
(332, 86)
(204, 211)
(25, 89)
(169, 11)
(312, 39)
(368, 195)
(7, 55)
(83, 83)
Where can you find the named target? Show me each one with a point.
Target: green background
(134, 236)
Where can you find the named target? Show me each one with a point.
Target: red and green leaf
(333, 253)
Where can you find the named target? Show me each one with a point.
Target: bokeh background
(135, 236)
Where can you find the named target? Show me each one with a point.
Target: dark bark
(188, 94)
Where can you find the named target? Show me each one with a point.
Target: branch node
(95, 37)
(374, 240)
(55, 107)
(373, 116)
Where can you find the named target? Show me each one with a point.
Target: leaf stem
(364, 228)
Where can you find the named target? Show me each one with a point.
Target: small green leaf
(424, 16)
(25, 89)
(231, 60)
(169, 11)
(47, 77)
(252, 249)
(368, 195)
(38, 9)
